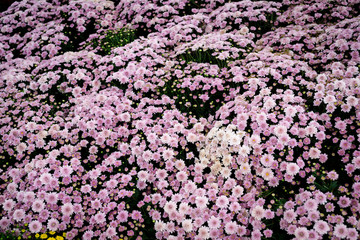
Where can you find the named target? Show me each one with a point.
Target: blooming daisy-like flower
(320, 197)
(311, 204)
(187, 225)
(314, 215)
(190, 187)
(112, 183)
(104, 193)
(356, 162)
(352, 234)
(267, 174)
(170, 206)
(314, 153)
(12, 187)
(94, 174)
(191, 138)
(35, 226)
(180, 164)
(110, 232)
(51, 198)
(222, 202)
(225, 172)
(321, 227)
(67, 209)
(21, 147)
(184, 208)
(301, 233)
(19, 214)
(9, 204)
(88, 235)
(29, 197)
(45, 178)
(237, 191)
(356, 187)
(143, 175)
(203, 233)
(168, 154)
(313, 235)
(340, 231)
(201, 202)
(136, 215)
(344, 202)
(123, 216)
(85, 188)
(66, 171)
(96, 204)
(280, 130)
(160, 226)
(245, 168)
(38, 205)
(181, 176)
(161, 174)
(290, 215)
(267, 160)
(258, 212)
(4, 223)
(332, 175)
(231, 227)
(100, 218)
(53, 225)
(170, 227)
(244, 151)
(235, 207)
(292, 169)
(254, 140)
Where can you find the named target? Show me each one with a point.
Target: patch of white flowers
(219, 145)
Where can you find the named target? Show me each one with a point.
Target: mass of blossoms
(180, 119)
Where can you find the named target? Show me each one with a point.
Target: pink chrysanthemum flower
(301, 233)
(67, 209)
(290, 215)
(201, 202)
(214, 222)
(88, 235)
(314, 153)
(35, 226)
(51, 198)
(321, 227)
(292, 169)
(222, 202)
(258, 212)
(160, 226)
(19, 214)
(110, 232)
(231, 227)
(187, 225)
(170, 206)
(340, 231)
(344, 202)
(123, 216)
(267, 174)
(332, 175)
(9, 204)
(311, 204)
(100, 218)
(352, 234)
(203, 233)
(53, 225)
(237, 191)
(38, 205)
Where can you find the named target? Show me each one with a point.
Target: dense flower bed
(149, 119)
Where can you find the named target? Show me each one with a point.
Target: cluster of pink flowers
(221, 120)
